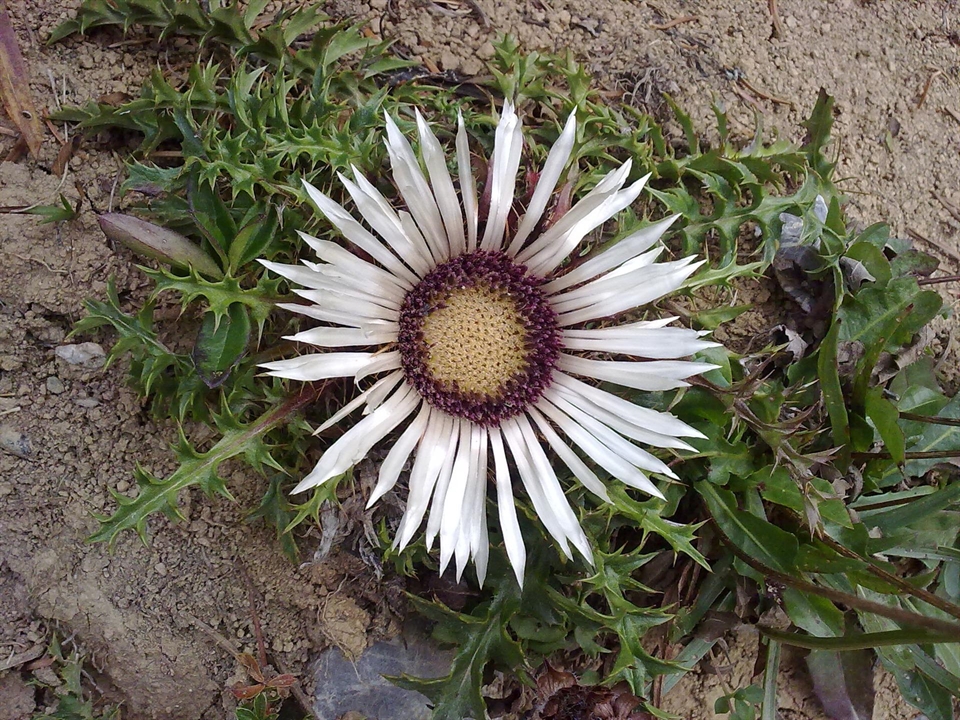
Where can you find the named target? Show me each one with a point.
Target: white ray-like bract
(474, 333)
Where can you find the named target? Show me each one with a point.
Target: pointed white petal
(623, 426)
(468, 186)
(443, 189)
(609, 437)
(588, 205)
(349, 303)
(508, 143)
(469, 527)
(354, 444)
(384, 219)
(640, 284)
(480, 540)
(324, 279)
(328, 337)
(415, 190)
(652, 375)
(297, 273)
(579, 468)
(552, 492)
(430, 456)
(543, 488)
(379, 363)
(549, 176)
(438, 503)
(346, 262)
(453, 502)
(341, 318)
(393, 464)
(597, 451)
(550, 259)
(506, 507)
(659, 422)
(357, 234)
(319, 366)
(639, 288)
(412, 231)
(382, 387)
(626, 249)
(528, 476)
(656, 343)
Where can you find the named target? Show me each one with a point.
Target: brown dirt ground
(158, 621)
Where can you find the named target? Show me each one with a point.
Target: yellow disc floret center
(475, 341)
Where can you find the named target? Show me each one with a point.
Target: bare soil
(160, 622)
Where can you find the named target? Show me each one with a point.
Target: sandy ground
(159, 621)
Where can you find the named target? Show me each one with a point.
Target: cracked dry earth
(159, 623)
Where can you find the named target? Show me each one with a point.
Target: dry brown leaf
(15, 87)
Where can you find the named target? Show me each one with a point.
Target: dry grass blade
(14, 88)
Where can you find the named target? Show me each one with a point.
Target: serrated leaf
(221, 295)
(220, 344)
(868, 314)
(482, 639)
(253, 237)
(198, 468)
(829, 374)
(936, 438)
(753, 535)
(884, 416)
(818, 126)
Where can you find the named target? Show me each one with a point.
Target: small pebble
(55, 385)
(88, 354)
(15, 442)
(161, 569)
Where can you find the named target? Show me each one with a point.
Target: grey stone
(343, 686)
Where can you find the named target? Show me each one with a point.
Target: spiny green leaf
(481, 639)
(220, 344)
(197, 468)
(829, 375)
(884, 416)
(753, 535)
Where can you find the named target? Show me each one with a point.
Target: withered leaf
(15, 87)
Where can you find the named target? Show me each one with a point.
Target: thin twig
(19, 659)
(938, 280)
(746, 97)
(905, 617)
(905, 587)
(918, 455)
(257, 630)
(930, 419)
(946, 250)
(775, 17)
(926, 88)
(217, 638)
(952, 113)
(676, 21)
(306, 705)
(27, 258)
(948, 206)
(761, 94)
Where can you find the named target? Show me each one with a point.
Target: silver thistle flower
(479, 329)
